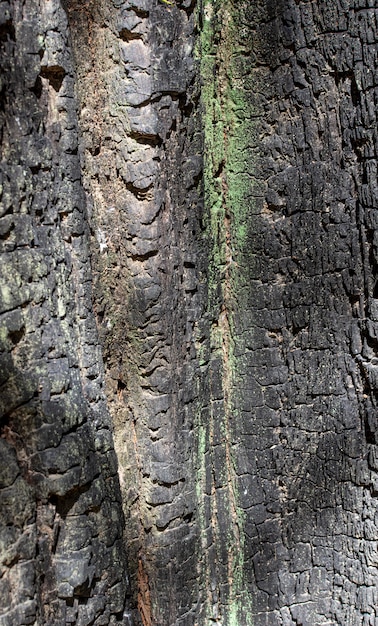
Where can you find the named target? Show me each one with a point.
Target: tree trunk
(188, 313)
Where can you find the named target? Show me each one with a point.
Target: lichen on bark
(228, 128)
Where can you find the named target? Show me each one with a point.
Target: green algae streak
(230, 126)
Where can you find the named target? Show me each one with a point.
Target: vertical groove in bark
(222, 519)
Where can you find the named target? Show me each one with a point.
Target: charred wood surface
(188, 313)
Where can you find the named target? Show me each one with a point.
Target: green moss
(230, 128)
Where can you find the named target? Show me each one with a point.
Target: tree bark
(188, 313)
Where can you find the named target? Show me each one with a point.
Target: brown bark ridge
(188, 318)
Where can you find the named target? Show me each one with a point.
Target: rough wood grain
(188, 313)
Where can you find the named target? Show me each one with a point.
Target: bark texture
(189, 313)
(290, 180)
(61, 523)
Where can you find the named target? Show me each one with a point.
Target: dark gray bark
(306, 336)
(62, 554)
(188, 313)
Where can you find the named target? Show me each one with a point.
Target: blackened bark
(192, 187)
(61, 522)
(303, 315)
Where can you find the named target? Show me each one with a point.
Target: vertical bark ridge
(303, 429)
(61, 523)
(141, 156)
